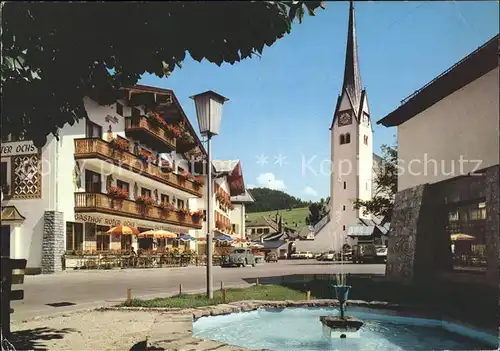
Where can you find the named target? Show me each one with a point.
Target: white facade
(462, 126)
(63, 179)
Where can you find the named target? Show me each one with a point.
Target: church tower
(351, 145)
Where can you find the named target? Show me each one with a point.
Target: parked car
(363, 253)
(381, 252)
(240, 257)
(272, 257)
(295, 255)
(327, 256)
(343, 256)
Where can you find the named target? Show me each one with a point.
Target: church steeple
(352, 78)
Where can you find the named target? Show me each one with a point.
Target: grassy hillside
(295, 215)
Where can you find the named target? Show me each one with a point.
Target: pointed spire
(352, 78)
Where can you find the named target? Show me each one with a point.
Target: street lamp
(209, 114)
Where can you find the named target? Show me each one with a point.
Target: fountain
(341, 325)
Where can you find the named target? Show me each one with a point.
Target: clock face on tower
(345, 119)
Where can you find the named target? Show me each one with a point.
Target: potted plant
(120, 144)
(186, 175)
(145, 200)
(182, 212)
(118, 193)
(144, 156)
(198, 181)
(167, 206)
(173, 130)
(165, 166)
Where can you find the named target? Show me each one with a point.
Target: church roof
(478, 63)
(351, 86)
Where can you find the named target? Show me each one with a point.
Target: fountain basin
(348, 323)
(299, 329)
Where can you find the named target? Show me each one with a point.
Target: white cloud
(251, 186)
(268, 180)
(309, 191)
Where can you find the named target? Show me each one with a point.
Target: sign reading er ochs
(18, 148)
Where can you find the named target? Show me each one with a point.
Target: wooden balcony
(144, 132)
(89, 148)
(102, 203)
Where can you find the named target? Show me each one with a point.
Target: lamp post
(209, 114)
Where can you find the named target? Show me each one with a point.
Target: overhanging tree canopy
(57, 53)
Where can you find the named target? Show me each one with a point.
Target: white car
(295, 255)
(308, 255)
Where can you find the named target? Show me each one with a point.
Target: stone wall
(53, 242)
(492, 176)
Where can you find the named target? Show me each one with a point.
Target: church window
(343, 227)
(343, 208)
(342, 139)
(366, 140)
(345, 185)
(347, 138)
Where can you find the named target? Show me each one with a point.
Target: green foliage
(255, 292)
(386, 180)
(56, 54)
(271, 200)
(292, 218)
(317, 211)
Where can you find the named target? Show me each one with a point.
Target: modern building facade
(130, 163)
(446, 212)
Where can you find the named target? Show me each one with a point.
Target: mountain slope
(271, 200)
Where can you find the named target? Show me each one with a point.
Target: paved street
(89, 289)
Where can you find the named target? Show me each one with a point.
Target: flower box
(155, 120)
(167, 206)
(186, 175)
(198, 181)
(173, 130)
(198, 215)
(145, 200)
(182, 212)
(120, 144)
(118, 193)
(165, 166)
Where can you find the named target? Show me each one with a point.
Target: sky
(281, 105)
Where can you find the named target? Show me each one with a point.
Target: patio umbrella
(185, 237)
(461, 237)
(160, 234)
(123, 230)
(223, 238)
(256, 247)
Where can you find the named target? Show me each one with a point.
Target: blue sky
(282, 103)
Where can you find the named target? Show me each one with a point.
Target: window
(180, 203)
(146, 192)
(259, 231)
(123, 185)
(343, 227)
(92, 182)
(234, 228)
(164, 198)
(253, 231)
(345, 185)
(342, 139)
(93, 130)
(366, 186)
(204, 215)
(453, 216)
(126, 242)
(103, 239)
(119, 109)
(343, 208)
(266, 230)
(347, 138)
(365, 139)
(74, 236)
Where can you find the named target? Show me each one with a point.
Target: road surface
(91, 289)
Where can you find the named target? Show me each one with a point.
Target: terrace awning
(186, 237)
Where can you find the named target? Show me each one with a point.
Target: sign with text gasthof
(16, 148)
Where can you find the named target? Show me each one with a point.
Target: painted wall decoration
(27, 178)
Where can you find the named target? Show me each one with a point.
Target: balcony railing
(96, 202)
(141, 128)
(99, 148)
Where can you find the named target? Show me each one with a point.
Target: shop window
(126, 242)
(74, 236)
(92, 130)
(92, 182)
(102, 238)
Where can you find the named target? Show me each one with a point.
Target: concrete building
(445, 215)
(125, 164)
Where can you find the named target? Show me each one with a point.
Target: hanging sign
(16, 148)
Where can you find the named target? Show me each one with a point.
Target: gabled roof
(244, 198)
(231, 169)
(368, 227)
(476, 64)
(273, 244)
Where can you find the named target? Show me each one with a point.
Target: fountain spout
(342, 293)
